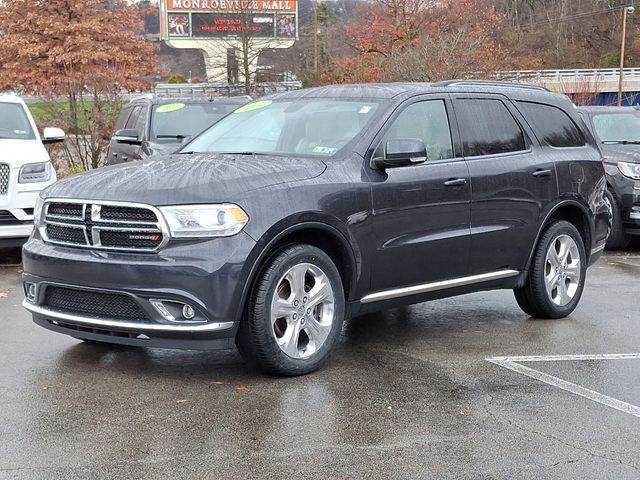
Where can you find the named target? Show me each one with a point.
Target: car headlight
(35, 172)
(193, 221)
(37, 212)
(631, 170)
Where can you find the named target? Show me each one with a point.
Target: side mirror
(52, 135)
(402, 152)
(127, 135)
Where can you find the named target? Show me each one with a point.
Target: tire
(279, 333)
(617, 238)
(555, 282)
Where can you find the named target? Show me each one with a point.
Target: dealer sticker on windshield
(253, 106)
(170, 107)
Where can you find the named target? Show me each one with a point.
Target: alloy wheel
(302, 310)
(563, 270)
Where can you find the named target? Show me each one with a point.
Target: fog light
(30, 291)
(188, 312)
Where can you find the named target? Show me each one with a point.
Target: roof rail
(495, 83)
(143, 96)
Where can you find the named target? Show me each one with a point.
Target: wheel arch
(573, 212)
(322, 235)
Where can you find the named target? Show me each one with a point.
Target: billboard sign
(209, 19)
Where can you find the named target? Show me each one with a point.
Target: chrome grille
(4, 178)
(103, 225)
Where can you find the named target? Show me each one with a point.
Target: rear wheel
(295, 313)
(556, 278)
(617, 238)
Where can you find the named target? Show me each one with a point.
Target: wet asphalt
(408, 394)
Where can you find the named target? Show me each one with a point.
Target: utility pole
(315, 36)
(627, 10)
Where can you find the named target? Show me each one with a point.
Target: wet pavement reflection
(408, 394)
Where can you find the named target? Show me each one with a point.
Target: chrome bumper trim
(435, 286)
(96, 322)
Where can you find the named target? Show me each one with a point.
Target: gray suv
(150, 126)
(303, 209)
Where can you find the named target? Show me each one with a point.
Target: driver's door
(421, 213)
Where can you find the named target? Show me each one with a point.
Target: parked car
(305, 208)
(151, 126)
(617, 130)
(25, 169)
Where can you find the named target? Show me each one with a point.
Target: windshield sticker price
(254, 106)
(170, 107)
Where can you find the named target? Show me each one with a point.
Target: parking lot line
(513, 363)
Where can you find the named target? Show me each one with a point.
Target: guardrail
(222, 89)
(570, 73)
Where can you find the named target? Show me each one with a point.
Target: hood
(185, 179)
(621, 153)
(20, 152)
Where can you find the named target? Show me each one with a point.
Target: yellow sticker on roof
(253, 106)
(170, 107)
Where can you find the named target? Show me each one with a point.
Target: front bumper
(207, 275)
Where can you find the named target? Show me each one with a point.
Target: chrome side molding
(435, 286)
(105, 323)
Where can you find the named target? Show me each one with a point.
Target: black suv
(617, 130)
(305, 208)
(150, 126)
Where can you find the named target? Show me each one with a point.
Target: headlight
(37, 212)
(35, 172)
(191, 221)
(631, 170)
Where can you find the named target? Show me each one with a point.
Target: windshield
(308, 127)
(174, 121)
(14, 123)
(617, 127)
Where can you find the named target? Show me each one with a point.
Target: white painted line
(557, 358)
(510, 363)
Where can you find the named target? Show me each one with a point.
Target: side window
(553, 125)
(428, 121)
(135, 116)
(123, 117)
(488, 128)
(141, 122)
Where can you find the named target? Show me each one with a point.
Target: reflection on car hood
(184, 179)
(621, 153)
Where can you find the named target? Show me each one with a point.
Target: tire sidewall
(617, 237)
(550, 235)
(260, 309)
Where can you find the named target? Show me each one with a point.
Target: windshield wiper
(621, 142)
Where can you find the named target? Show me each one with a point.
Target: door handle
(455, 182)
(542, 173)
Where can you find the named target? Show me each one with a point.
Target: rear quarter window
(553, 125)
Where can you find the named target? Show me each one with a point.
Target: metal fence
(222, 89)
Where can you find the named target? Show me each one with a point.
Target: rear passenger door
(512, 181)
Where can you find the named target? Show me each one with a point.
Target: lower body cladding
(188, 295)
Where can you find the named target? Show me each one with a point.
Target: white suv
(25, 168)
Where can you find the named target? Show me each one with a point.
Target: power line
(565, 18)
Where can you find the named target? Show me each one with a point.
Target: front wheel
(556, 278)
(295, 314)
